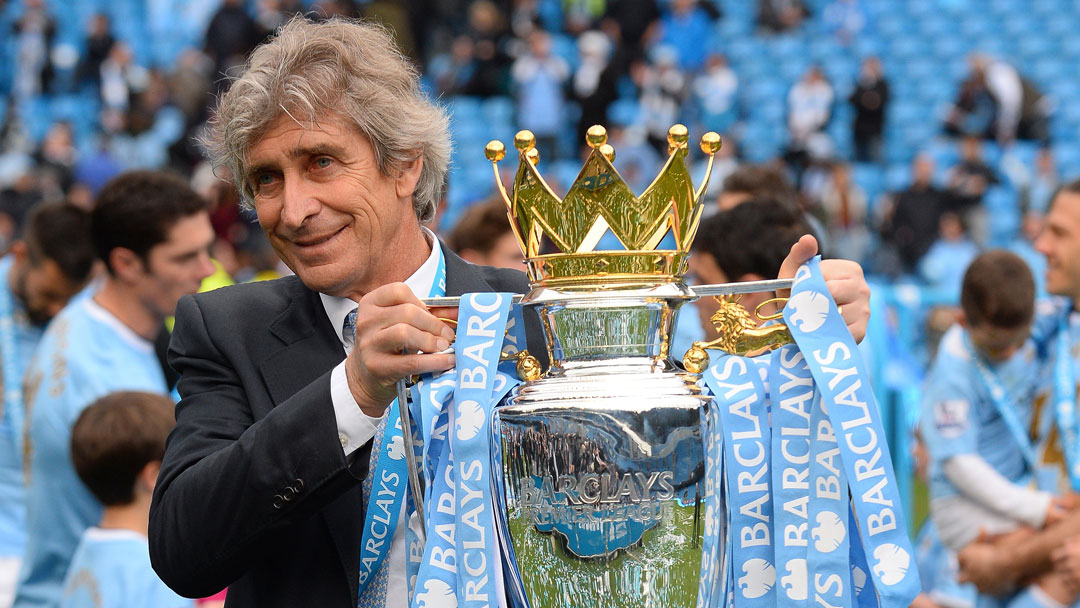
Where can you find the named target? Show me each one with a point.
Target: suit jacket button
(289, 494)
(279, 501)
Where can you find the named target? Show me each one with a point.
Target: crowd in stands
(909, 136)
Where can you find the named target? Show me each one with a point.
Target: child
(975, 414)
(116, 446)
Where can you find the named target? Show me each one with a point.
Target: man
(483, 236)
(995, 569)
(46, 267)
(153, 233)
(343, 158)
(911, 223)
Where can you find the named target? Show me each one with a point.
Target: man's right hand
(981, 564)
(392, 321)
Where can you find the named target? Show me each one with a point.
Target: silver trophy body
(599, 465)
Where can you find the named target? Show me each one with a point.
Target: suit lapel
(309, 349)
(461, 276)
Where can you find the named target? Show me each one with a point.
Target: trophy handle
(739, 333)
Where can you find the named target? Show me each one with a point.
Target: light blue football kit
(960, 417)
(111, 569)
(85, 354)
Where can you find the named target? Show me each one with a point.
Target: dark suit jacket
(254, 491)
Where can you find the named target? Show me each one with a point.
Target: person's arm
(979, 481)
(995, 570)
(220, 495)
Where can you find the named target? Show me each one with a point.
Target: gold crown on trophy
(564, 242)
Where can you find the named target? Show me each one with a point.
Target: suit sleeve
(229, 483)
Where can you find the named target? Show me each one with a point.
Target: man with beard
(45, 268)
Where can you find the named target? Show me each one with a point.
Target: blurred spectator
(870, 99)
(483, 236)
(56, 160)
(968, 181)
(539, 77)
(911, 222)
(997, 102)
(663, 90)
(781, 15)
(99, 41)
(47, 265)
(34, 31)
(844, 206)
(756, 181)
(845, 18)
(121, 77)
(487, 28)
(809, 112)
(628, 23)
(1023, 245)
(272, 14)
(1042, 185)
(452, 72)
(581, 15)
(15, 201)
(945, 262)
(230, 36)
(594, 83)
(687, 28)
(716, 93)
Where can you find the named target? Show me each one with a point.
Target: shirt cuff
(355, 428)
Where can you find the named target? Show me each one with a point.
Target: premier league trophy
(603, 478)
(600, 469)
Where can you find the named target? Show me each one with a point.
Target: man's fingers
(373, 320)
(801, 252)
(406, 338)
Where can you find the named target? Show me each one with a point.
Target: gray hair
(343, 67)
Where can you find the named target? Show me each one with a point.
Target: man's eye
(264, 179)
(323, 162)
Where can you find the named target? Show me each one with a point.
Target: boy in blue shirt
(975, 414)
(117, 445)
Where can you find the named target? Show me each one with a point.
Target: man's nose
(299, 203)
(206, 265)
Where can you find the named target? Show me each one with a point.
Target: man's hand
(1055, 512)
(1067, 563)
(390, 322)
(845, 281)
(981, 563)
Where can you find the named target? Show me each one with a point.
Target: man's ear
(405, 183)
(147, 478)
(125, 264)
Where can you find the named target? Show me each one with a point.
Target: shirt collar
(419, 283)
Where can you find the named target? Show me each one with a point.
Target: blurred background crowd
(912, 134)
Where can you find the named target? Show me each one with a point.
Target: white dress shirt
(355, 428)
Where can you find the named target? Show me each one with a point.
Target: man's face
(44, 289)
(706, 271)
(177, 266)
(506, 253)
(996, 343)
(1060, 243)
(329, 213)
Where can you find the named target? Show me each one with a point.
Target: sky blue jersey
(111, 569)
(959, 417)
(85, 354)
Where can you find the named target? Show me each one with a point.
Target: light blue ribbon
(389, 487)
(12, 419)
(792, 389)
(840, 373)
(461, 563)
(737, 392)
(711, 583)
(828, 572)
